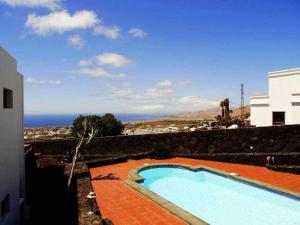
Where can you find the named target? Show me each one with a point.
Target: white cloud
(198, 102)
(97, 72)
(161, 99)
(150, 94)
(148, 108)
(158, 93)
(109, 32)
(165, 83)
(183, 82)
(49, 4)
(113, 59)
(76, 41)
(60, 22)
(84, 62)
(169, 83)
(122, 93)
(119, 75)
(43, 82)
(137, 32)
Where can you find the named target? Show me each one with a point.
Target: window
(5, 206)
(278, 118)
(7, 98)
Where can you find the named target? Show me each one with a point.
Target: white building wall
(260, 115)
(296, 107)
(282, 86)
(11, 139)
(284, 96)
(296, 113)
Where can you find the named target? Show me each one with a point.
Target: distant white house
(282, 105)
(11, 141)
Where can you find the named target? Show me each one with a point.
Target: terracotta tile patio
(125, 206)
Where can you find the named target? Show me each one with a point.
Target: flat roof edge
(287, 72)
(259, 96)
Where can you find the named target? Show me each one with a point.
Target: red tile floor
(125, 206)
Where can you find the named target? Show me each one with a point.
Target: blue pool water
(219, 200)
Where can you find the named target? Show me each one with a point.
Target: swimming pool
(218, 199)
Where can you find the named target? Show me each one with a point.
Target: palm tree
(222, 106)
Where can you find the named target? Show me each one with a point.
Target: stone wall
(285, 139)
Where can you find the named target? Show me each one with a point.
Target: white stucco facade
(282, 105)
(11, 141)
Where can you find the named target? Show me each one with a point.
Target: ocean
(67, 119)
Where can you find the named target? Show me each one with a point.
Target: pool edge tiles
(135, 180)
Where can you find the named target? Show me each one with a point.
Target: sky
(142, 56)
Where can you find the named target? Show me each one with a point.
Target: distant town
(184, 122)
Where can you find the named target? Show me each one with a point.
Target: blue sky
(145, 56)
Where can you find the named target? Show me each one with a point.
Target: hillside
(205, 114)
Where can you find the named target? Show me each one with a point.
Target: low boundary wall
(284, 139)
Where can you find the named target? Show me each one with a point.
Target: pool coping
(135, 179)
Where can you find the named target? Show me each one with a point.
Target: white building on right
(282, 105)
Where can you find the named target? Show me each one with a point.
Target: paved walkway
(125, 206)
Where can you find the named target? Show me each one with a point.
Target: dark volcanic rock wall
(285, 139)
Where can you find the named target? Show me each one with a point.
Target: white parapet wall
(11, 141)
(282, 105)
(260, 114)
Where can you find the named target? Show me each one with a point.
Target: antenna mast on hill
(242, 102)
